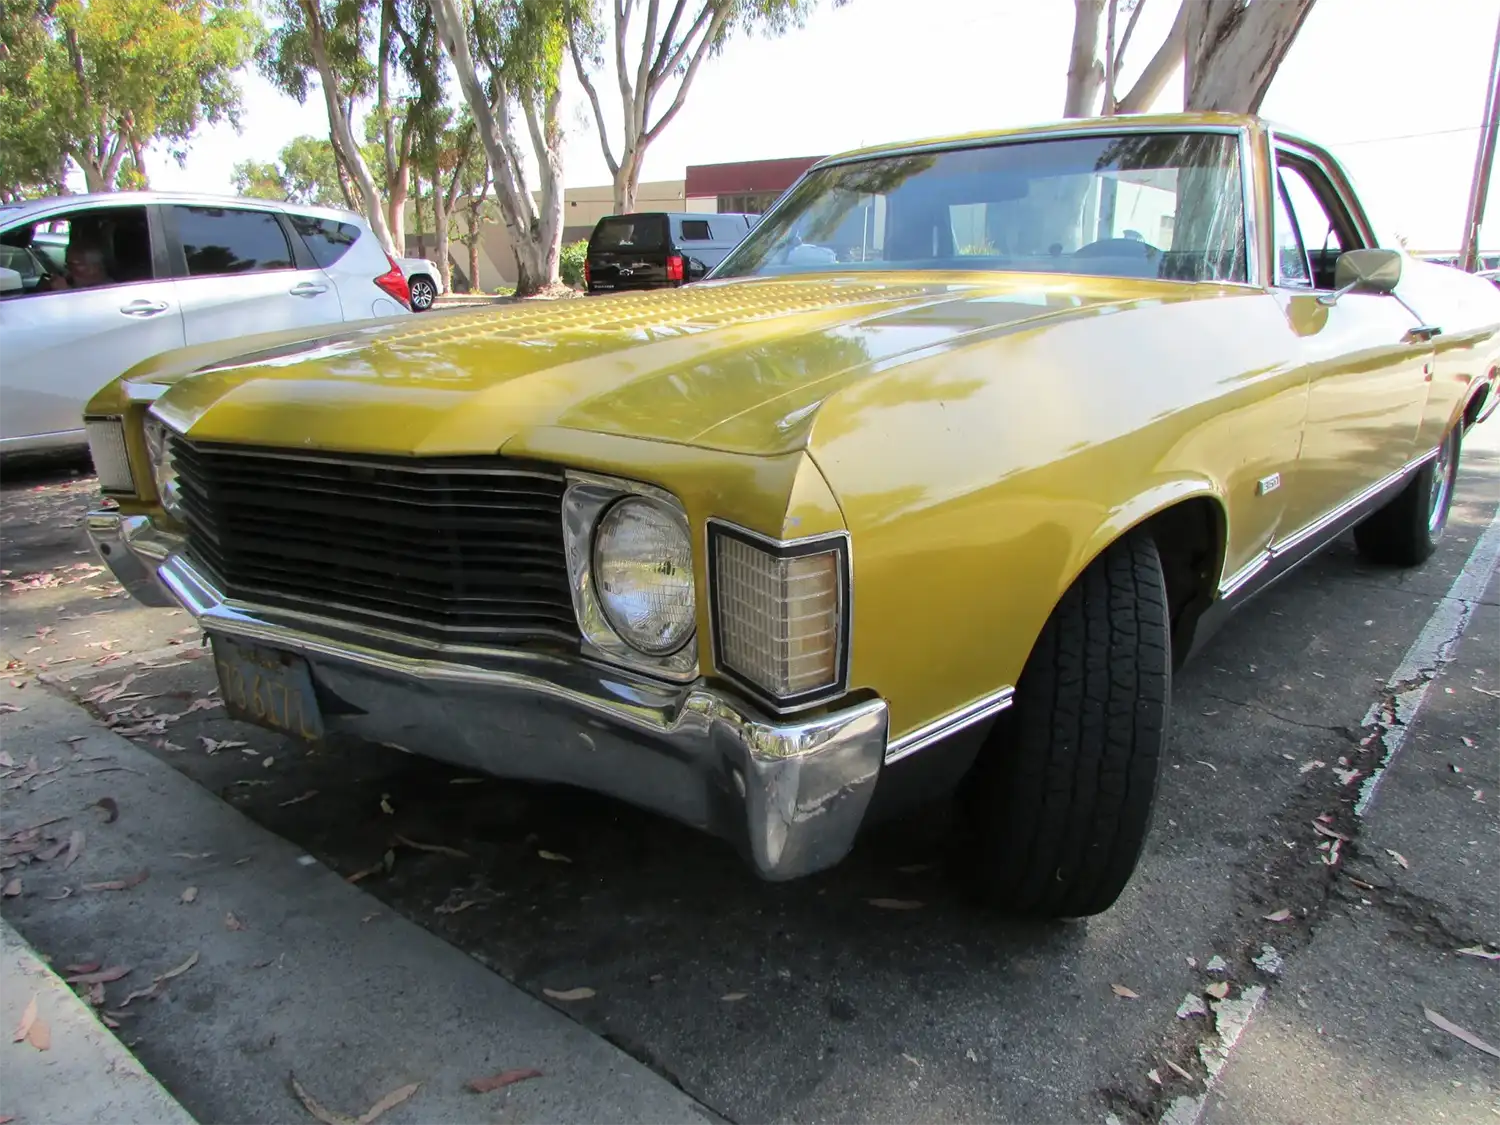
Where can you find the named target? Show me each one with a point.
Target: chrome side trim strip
(1328, 519)
(1231, 584)
(939, 729)
(1323, 523)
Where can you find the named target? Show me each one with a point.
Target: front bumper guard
(791, 794)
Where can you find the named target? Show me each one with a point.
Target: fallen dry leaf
(368, 1117)
(179, 970)
(895, 903)
(1478, 951)
(365, 873)
(440, 849)
(385, 805)
(28, 1017)
(12, 889)
(191, 855)
(309, 1103)
(7, 761)
(75, 848)
(389, 1102)
(110, 807)
(1180, 1070)
(568, 994)
(1323, 830)
(1398, 857)
(99, 976)
(1218, 990)
(232, 921)
(1459, 1033)
(66, 893)
(730, 997)
(9, 708)
(189, 895)
(555, 857)
(84, 967)
(1124, 993)
(119, 884)
(309, 795)
(503, 1079)
(1281, 915)
(40, 1035)
(462, 905)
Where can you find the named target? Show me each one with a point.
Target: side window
(328, 240)
(1291, 256)
(696, 230)
(1327, 229)
(223, 240)
(85, 249)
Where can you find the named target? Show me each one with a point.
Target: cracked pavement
(848, 1011)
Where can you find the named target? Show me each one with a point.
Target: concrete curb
(85, 1074)
(296, 970)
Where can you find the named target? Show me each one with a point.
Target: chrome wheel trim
(1442, 484)
(422, 294)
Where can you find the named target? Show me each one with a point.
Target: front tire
(1406, 531)
(423, 294)
(1059, 804)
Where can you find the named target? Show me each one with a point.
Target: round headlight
(643, 574)
(159, 448)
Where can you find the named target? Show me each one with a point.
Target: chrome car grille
(456, 550)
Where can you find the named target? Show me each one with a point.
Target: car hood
(675, 366)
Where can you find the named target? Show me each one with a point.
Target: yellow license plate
(269, 687)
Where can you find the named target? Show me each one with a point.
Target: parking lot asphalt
(810, 1001)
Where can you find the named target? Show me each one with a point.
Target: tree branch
(643, 90)
(1163, 65)
(1135, 14)
(588, 88)
(675, 60)
(666, 41)
(721, 17)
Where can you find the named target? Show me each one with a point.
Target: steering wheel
(1118, 248)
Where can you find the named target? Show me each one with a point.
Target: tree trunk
(421, 223)
(344, 136)
(440, 226)
(1234, 48)
(1084, 72)
(474, 286)
(536, 238)
(628, 182)
(1159, 70)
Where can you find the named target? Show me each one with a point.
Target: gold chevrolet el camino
(928, 489)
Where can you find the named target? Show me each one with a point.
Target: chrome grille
(458, 550)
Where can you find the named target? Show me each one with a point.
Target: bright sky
(1395, 88)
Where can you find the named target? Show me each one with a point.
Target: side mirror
(695, 270)
(10, 281)
(1367, 271)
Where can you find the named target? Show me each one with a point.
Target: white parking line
(1392, 715)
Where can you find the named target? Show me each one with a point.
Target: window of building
(749, 203)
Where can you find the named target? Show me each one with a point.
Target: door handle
(1422, 333)
(308, 289)
(144, 308)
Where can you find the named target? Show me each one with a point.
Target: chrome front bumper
(791, 794)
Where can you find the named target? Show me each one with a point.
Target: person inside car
(84, 268)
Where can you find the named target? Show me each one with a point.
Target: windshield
(1167, 205)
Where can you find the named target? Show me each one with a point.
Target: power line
(1407, 136)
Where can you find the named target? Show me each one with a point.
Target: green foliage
(570, 266)
(32, 156)
(91, 81)
(285, 56)
(306, 172)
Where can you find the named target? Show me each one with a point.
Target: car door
(240, 273)
(1366, 363)
(69, 335)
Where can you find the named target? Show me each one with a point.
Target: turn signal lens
(780, 616)
(107, 447)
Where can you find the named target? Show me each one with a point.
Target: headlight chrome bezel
(588, 498)
(158, 440)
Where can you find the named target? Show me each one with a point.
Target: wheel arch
(1188, 520)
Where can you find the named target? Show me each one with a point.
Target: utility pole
(1484, 160)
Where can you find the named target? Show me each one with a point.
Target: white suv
(424, 279)
(93, 284)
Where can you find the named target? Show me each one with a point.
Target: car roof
(1224, 121)
(192, 198)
